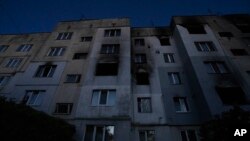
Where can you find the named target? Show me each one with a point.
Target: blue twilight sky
(24, 16)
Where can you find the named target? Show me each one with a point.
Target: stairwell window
(63, 108)
(169, 57)
(13, 62)
(147, 135)
(45, 71)
(144, 105)
(3, 48)
(103, 98)
(56, 51)
(99, 133)
(181, 104)
(216, 67)
(189, 135)
(64, 36)
(34, 97)
(24, 48)
(112, 32)
(205, 46)
(174, 78)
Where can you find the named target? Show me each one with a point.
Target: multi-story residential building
(116, 82)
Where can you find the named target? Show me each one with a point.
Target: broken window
(164, 41)
(231, 95)
(63, 108)
(147, 135)
(195, 29)
(103, 98)
(64, 36)
(112, 33)
(110, 49)
(24, 48)
(239, 52)
(189, 135)
(139, 42)
(181, 104)
(169, 57)
(205, 46)
(13, 62)
(3, 48)
(174, 78)
(140, 59)
(144, 105)
(216, 67)
(73, 78)
(86, 39)
(56, 51)
(99, 133)
(80, 56)
(226, 34)
(106, 69)
(45, 71)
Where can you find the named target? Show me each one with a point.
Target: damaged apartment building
(115, 82)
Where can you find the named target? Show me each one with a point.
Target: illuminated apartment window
(110, 49)
(13, 62)
(56, 51)
(45, 71)
(205, 46)
(174, 78)
(239, 52)
(112, 32)
(216, 67)
(73, 78)
(99, 133)
(3, 48)
(189, 135)
(63, 108)
(24, 48)
(147, 135)
(86, 39)
(78, 56)
(4, 80)
(181, 104)
(34, 97)
(103, 97)
(144, 105)
(64, 36)
(140, 59)
(139, 42)
(168, 57)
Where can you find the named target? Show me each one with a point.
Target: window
(86, 39)
(205, 46)
(112, 33)
(231, 95)
(99, 133)
(139, 42)
(13, 62)
(195, 29)
(188, 135)
(33, 97)
(140, 58)
(216, 67)
(80, 56)
(63, 108)
(142, 78)
(239, 52)
(243, 27)
(73, 78)
(3, 48)
(147, 135)
(106, 69)
(64, 36)
(110, 49)
(174, 78)
(24, 48)
(225, 34)
(144, 105)
(180, 104)
(4, 80)
(164, 41)
(103, 98)
(45, 71)
(56, 51)
(169, 57)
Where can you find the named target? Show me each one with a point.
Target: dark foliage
(223, 127)
(22, 123)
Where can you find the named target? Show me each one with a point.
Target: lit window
(99, 133)
(112, 33)
(139, 42)
(147, 135)
(63, 108)
(4, 80)
(3, 48)
(45, 71)
(188, 135)
(169, 57)
(73, 78)
(64, 36)
(103, 98)
(140, 58)
(34, 97)
(144, 105)
(24, 48)
(174, 78)
(110, 49)
(13, 62)
(80, 56)
(181, 104)
(86, 39)
(216, 67)
(205, 46)
(56, 51)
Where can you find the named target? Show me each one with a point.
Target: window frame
(92, 134)
(112, 32)
(139, 42)
(216, 67)
(169, 57)
(64, 35)
(187, 136)
(3, 48)
(140, 104)
(4, 80)
(183, 106)
(86, 38)
(53, 51)
(100, 93)
(13, 62)
(31, 95)
(69, 108)
(205, 46)
(24, 48)
(40, 73)
(172, 78)
(140, 58)
(145, 134)
(77, 78)
(110, 49)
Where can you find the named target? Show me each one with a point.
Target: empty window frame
(4, 80)
(189, 135)
(174, 78)
(63, 108)
(3, 48)
(80, 56)
(231, 95)
(195, 29)
(216, 67)
(56, 51)
(180, 104)
(106, 69)
(164, 41)
(225, 34)
(73, 78)
(140, 59)
(144, 105)
(169, 57)
(34, 97)
(24, 48)
(103, 97)
(45, 71)
(205, 46)
(139, 42)
(99, 133)
(239, 52)
(64, 36)
(13, 62)
(86, 39)
(110, 49)
(142, 78)
(112, 32)
(147, 135)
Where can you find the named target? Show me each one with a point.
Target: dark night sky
(24, 16)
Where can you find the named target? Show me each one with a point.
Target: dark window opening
(164, 41)
(139, 42)
(106, 69)
(80, 56)
(140, 59)
(196, 29)
(226, 34)
(243, 27)
(63, 108)
(231, 95)
(239, 52)
(45, 71)
(86, 39)
(142, 78)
